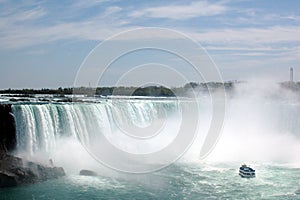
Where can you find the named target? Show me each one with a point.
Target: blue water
(179, 181)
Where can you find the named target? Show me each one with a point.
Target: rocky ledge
(15, 171)
(86, 172)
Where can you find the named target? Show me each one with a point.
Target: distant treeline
(135, 91)
(25, 92)
(138, 91)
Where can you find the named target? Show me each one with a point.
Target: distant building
(291, 74)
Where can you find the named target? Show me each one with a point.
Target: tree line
(128, 91)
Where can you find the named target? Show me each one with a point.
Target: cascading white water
(260, 126)
(40, 125)
(55, 130)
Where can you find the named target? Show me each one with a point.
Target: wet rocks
(86, 172)
(15, 171)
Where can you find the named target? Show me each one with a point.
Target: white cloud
(239, 48)
(29, 15)
(20, 30)
(112, 10)
(11, 17)
(87, 3)
(111, 20)
(30, 35)
(250, 36)
(181, 12)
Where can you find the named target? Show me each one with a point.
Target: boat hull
(247, 175)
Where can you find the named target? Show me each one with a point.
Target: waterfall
(254, 128)
(40, 126)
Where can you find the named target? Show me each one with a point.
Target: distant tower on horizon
(291, 74)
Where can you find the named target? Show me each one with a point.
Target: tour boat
(246, 172)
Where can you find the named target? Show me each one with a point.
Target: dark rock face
(7, 128)
(15, 171)
(86, 172)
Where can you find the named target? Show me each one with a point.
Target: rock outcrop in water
(86, 172)
(15, 171)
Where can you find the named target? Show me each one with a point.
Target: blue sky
(43, 43)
